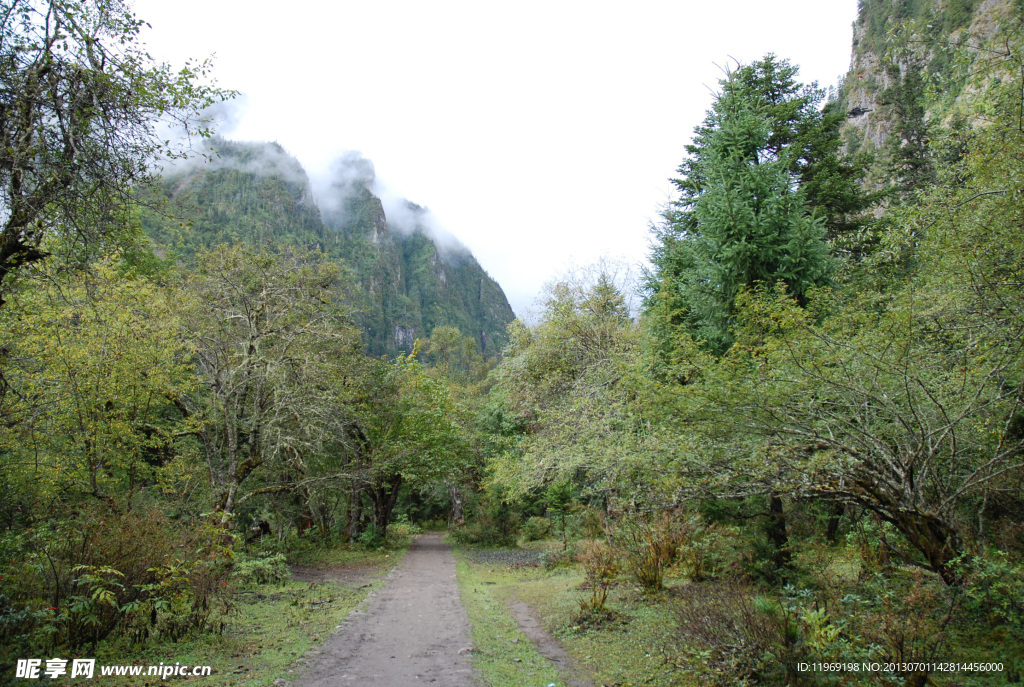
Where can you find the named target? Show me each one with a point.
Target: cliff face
(448, 287)
(408, 284)
(937, 39)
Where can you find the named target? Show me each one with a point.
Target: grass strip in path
(503, 656)
(639, 645)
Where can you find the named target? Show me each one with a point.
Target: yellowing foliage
(91, 362)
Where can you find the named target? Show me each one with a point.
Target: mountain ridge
(408, 281)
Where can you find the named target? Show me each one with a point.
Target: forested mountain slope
(408, 283)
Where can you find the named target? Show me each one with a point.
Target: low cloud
(254, 157)
(347, 174)
(406, 218)
(351, 171)
(224, 117)
(219, 152)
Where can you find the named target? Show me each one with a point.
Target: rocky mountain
(923, 51)
(410, 278)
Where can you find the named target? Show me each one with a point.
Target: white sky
(541, 134)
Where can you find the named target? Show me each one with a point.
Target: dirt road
(411, 632)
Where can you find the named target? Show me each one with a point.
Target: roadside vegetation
(268, 622)
(714, 616)
(175, 433)
(502, 653)
(807, 449)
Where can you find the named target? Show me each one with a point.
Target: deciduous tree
(272, 348)
(79, 104)
(95, 359)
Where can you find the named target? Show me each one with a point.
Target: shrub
(905, 618)
(873, 539)
(738, 637)
(700, 553)
(401, 531)
(649, 545)
(371, 540)
(74, 582)
(592, 522)
(491, 521)
(994, 588)
(559, 498)
(536, 528)
(484, 533)
(268, 570)
(600, 569)
(186, 594)
(731, 638)
(559, 558)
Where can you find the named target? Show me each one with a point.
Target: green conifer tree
(744, 215)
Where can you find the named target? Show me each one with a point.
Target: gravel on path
(412, 631)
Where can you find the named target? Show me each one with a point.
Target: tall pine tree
(760, 188)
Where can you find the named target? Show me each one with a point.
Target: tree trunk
(565, 542)
(354, 512)
(832, 528)
(777, 533)
(937, 541)
(883, 544)
(610, 515)
(458, 518)
(384, 498)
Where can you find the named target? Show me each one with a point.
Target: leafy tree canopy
(78, 115)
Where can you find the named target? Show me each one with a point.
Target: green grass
(502, 655)
(638, 647)
(267, 629)
(643, 642)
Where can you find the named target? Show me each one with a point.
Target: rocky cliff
(939, 40)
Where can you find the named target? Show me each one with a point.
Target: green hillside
(407, 285)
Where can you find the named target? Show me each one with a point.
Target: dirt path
(411, 632)
(547, 646)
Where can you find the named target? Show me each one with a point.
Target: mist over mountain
(411, 275)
